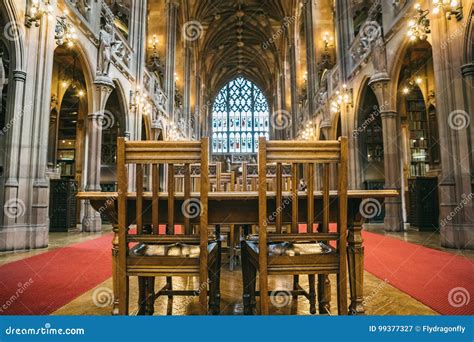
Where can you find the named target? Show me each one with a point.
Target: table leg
(355, 255)
(115, 271)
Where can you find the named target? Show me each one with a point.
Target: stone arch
(87, 71)
(123, 107)
(368, 137)
(9, 16)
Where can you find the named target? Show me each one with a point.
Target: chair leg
(312, 293)
(324, 294)
(264, 298)
(296, 284)
(342, 294)
(150, 296)
(231, 243)
(123, 294)
(141, 296)
(252, 287)
(245, 279)
(169, 286)
(214, 290)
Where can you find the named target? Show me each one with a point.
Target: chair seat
(293, 248)
(170, 250)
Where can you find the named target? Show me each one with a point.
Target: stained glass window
(241, 113)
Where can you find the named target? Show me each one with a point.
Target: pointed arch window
(240, 112)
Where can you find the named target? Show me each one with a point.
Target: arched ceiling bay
(243, 37)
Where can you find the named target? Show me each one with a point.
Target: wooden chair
(295, 253)
(149, 254)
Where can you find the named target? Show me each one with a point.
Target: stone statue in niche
(107, 43)
(82, 6)
(379, 58)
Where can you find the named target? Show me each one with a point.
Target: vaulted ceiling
(243, 37)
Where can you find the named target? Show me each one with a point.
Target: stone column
(455, 115)
(383, 89)
(310, 55)
(468, 75)
(187, 89)
(103, 87)
(294, 87)
(170, 86)
(198, 109)
(13, 211)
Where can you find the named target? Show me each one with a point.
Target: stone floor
(380, 297)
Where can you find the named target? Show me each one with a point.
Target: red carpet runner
(44, 283)
(41, 284)
(440, 280)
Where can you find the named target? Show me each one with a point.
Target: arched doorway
(4, 77)
(113, 126)
(369, 135)
(67, 127)
(420, 137)
(370, 140)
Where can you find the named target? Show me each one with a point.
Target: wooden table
(241, 208)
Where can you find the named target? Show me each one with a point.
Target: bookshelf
(419, 136)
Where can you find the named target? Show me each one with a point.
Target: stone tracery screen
(240, 115)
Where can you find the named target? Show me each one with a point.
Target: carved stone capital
(467, 70)
(19, 75)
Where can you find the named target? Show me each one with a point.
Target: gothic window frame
(240, 114)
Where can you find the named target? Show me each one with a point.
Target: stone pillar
(310, 55)
(13, 229)
(383, 89)
(170, 86)
(455, 116)
(198, 109)
(187, 89)
(344, 36)
(294, 88)
(103, 87)
(468, 75)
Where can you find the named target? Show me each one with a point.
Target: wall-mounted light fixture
(419, 26)
(342, 97)
(449, 7)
